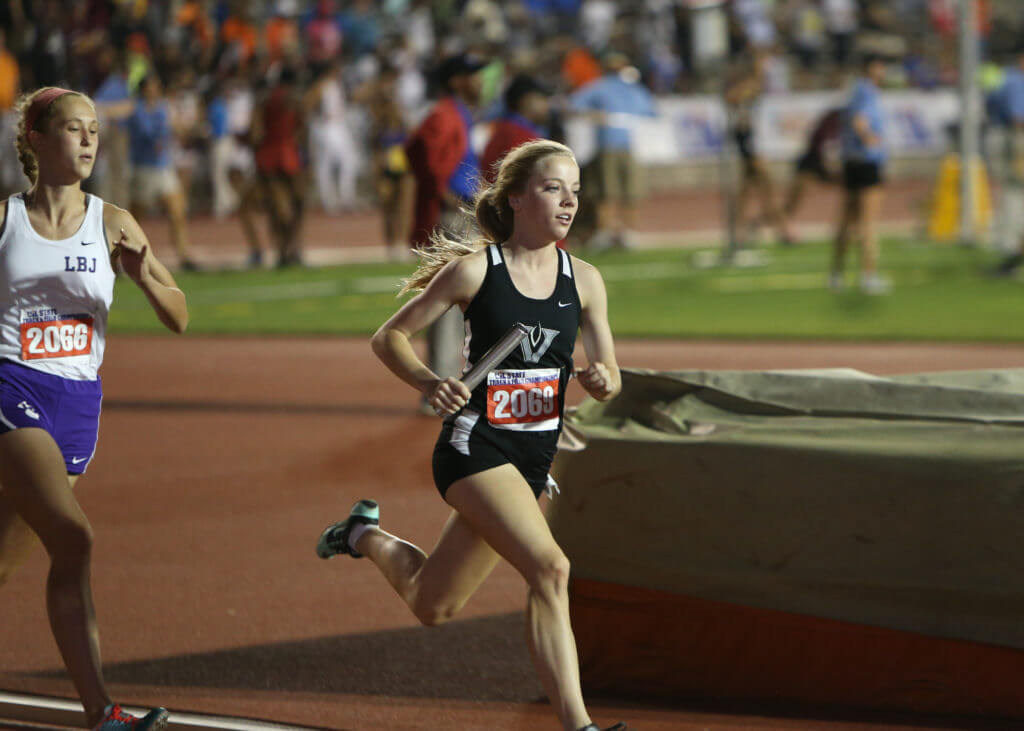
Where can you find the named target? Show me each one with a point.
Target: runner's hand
(596, 380)
(131, 256)
(448, 396)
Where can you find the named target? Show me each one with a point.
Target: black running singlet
(526, 392)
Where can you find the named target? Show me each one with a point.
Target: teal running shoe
(334, 539)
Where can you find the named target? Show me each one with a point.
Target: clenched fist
(596, 380)
(448, 396)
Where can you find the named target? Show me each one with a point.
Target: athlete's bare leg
(249, 195)
(849, 224)
(437, 586)
(36, 485)
(795, 195)
(769, 208)
(175, 208)
(17, 540)
(871, 202)
(500, 506)
(495, 515)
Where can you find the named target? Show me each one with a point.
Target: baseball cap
(459, 65)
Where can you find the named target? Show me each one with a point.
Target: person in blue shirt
(1006, 107)
(154, 180)
(611, 101)
(114, 103)
(864, 156)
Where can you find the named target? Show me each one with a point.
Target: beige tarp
(894, 502)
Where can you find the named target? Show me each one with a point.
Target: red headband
(39, 104)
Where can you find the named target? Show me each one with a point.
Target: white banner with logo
(692, 127)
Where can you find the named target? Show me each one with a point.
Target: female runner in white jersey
(56, 249)
(492, 458)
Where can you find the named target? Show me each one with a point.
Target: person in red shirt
(527, 113)
(446, 171)
(278, 130)
(437, 149)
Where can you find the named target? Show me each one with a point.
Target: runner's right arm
(456, 284)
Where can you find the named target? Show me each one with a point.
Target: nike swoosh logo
(78, 460)
(565, 304)
(88, 243)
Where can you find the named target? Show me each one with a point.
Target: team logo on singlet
(536, 344)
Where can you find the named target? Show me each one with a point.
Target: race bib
(46, 333)
(523, 400)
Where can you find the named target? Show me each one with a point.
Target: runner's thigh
(501, 507)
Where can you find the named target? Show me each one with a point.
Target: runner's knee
(433, 613)
(550, 577)
(70, 542)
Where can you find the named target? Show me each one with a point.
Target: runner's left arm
(133, 250)
(601, 377)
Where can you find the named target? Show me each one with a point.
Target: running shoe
(115, 719)
(620, 726)
(334, 539)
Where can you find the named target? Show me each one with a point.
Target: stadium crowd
(231, 106)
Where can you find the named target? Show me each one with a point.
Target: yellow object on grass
(944, 214)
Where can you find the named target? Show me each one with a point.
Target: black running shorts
(469, 445)
(858, 174)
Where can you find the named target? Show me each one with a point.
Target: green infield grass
(939, 293)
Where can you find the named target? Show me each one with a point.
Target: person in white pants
(333, 156)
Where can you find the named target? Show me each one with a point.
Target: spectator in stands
(841, 22)
(579, 66)
(819, 162)
(48, 54)
(359, 27)
(446, 172)
(197, 27)
(239, 102)
(153, 178)
(239, 35)
(807, 38)
(527, 113)
(1007, 109)
(10, 76)
(114, 104)
(394, 182)
(612, 102)
(333, 155)
(220, 146)
(756, 182)
(188, 124)
(440, 156)
(11, 177)
(755, 20)
(323, 35)
(279, 132)
(864, 156)
(281, 33)
(597, 22)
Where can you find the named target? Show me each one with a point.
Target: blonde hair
(29, 163)
(492, 213)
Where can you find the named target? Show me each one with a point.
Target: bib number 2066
(56, 339)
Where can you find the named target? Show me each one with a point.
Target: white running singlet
(55, 295)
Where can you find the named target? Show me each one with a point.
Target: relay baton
(498, 352)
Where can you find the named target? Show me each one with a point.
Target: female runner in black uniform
(492, 457)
